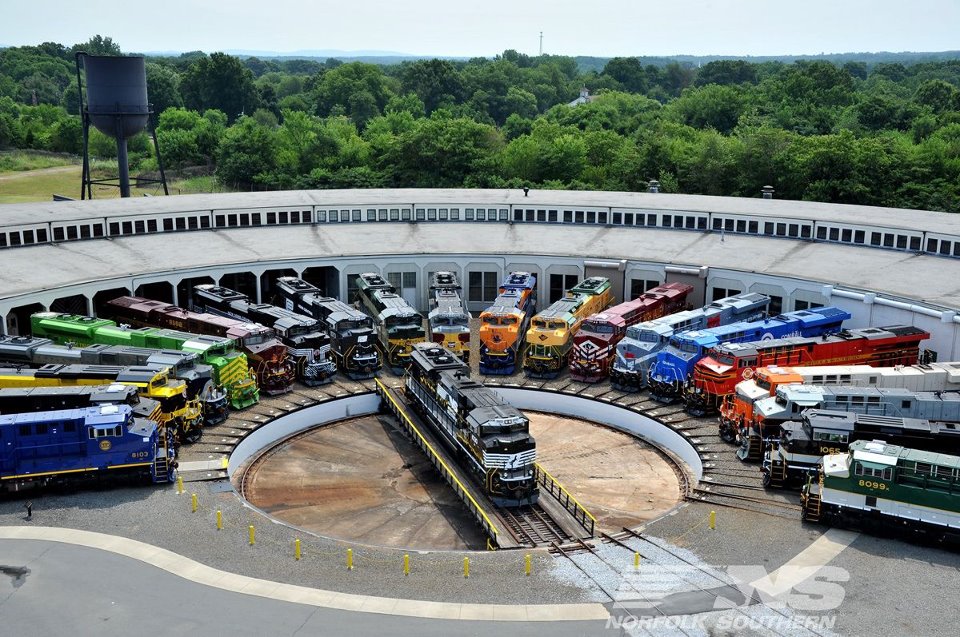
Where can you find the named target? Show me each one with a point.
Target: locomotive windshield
(725, 359)
(298, 330)
(762, 382)
(596, 328)
(648, 336)
(171, 404)
(255, 339)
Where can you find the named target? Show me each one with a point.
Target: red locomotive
(717, 374)
(595, 344)
(268, 357)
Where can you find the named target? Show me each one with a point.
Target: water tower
(116, 105)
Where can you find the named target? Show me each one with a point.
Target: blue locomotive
(674, 364)
(638, 350)
(88, 444)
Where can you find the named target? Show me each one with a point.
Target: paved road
(82, 591)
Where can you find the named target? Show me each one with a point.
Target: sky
(467, 28)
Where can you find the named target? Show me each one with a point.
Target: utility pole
(541, 43)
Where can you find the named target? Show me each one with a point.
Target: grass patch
(23, 187)
(21, 160)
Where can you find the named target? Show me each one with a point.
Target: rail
(472, 505)
(564, 497)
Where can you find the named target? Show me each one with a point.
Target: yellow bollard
(219, 520)
(179, 485)
(527, 566)
(296, 549)
(193, 498)
(636, 560)
(713, 520)
(251, 535)
(349, 559)
(406, 564)
(466, 567)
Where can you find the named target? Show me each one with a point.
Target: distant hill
(590, 63)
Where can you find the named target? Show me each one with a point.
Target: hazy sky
(471, 28)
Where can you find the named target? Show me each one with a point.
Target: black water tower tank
(117, 90)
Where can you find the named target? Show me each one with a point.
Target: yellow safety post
(406, 563)
(296, 549)
(251, 535)
(193, 498)
(349, 559)
(219, 520)
(179, 485)
(466, 567)
(636, 560)
(713, 520)
(527, 566)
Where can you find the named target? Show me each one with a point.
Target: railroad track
(533, 526)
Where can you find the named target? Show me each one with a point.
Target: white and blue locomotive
(492, 437)
(86, 444)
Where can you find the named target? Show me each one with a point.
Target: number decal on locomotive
(870, 484)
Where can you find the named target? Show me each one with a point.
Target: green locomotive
(230, 368)
(875, 484)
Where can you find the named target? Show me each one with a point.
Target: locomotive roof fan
(116, 105)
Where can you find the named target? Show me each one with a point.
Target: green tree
(439, 151)
(247, 155)
(220, 82)
(939, 96)
(710, 106)
(436, 82)
(336, 87)
(629, 73)
(726, 72)
(163, 87)
(98, 45)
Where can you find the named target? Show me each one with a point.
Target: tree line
(877, 133)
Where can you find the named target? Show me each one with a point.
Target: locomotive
(550, 338)
(267, 356)
(490, 436)
(637, 351)
(182, 365)
(95, 443)
(231, 376)
(673, 367)
(595, 345)
(792, 400)
(448, 320)
(716, 374)
(352, 338)
(399, 326)
(309, 345)
(183, 417)
(24, 399)
(504, 324)
(896, 486)
(792, 458)
(737, 410)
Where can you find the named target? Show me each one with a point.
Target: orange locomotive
(503, 324)
(595, 344)
(717, 374)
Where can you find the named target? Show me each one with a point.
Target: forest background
(872, 129)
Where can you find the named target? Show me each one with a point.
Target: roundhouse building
(883, 265)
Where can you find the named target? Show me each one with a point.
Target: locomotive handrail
(445, 470)
(565, 498)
